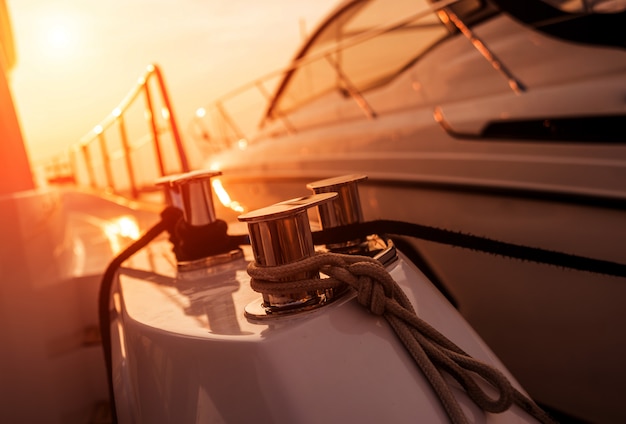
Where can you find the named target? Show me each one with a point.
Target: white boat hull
(428, 163)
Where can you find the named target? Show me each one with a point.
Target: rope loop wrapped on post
(381, 295)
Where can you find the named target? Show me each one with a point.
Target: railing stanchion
(106, 162)
(351, 89)
(73, 164)
(283, 119)
(156, 100)
(182, 156)
(89, 165)
(127, 159)
(229, 121)
(153, 128)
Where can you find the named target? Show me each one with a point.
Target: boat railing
(235, 117)
(126, 152)
(136, 144)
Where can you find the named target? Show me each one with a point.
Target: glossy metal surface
(171, 192)
(281, 234)
(197, 196)
(346, 207)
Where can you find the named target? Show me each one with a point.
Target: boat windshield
(364, 45)
(367, 43)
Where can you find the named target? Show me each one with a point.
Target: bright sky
(77, 59)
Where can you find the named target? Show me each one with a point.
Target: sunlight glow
(82, 50)
(59, 38)
(201, 112)
(242, 144)
(223, 196)
(60, 34)
(124, 227)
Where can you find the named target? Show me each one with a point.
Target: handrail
(94, 160)
(231, 130)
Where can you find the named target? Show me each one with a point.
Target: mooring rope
(469, 241)
(431, 350)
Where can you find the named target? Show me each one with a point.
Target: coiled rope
(431, 350)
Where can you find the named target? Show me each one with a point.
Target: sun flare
(59, 36)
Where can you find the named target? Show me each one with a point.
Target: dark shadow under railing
(126, 152)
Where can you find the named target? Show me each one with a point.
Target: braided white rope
(431, 350)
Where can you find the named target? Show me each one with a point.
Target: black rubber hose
(169, 217)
